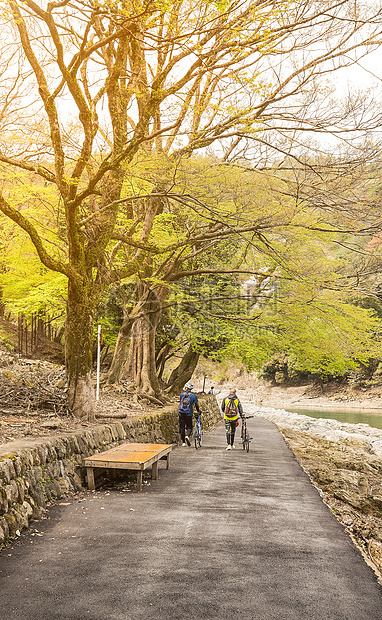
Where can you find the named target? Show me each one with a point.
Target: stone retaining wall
(33, 472)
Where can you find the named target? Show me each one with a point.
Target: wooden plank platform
(135, 456)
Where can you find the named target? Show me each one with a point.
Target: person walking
(186, 406)
(232, 409)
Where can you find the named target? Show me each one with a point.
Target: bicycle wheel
(197, 438)
(244, 438)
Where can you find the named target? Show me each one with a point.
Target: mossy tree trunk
(79, 342)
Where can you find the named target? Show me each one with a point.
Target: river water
(373, 417)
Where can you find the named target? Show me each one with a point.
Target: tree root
(153, 399)
(112, 416)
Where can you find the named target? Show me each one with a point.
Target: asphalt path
(221, 535)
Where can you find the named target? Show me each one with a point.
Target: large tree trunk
(120, 351)
(183, 372)
(140, 366)
(78, 348)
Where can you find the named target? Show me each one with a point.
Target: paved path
(221, 535)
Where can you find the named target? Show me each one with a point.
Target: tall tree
(86, 85)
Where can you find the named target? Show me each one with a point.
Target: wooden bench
(135, 456)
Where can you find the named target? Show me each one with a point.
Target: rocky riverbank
(344, 462)
(327, 396)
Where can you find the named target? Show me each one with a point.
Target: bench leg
(154, 471)
(139, 480)
(90, 476)
(168, 461)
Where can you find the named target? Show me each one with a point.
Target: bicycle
(198, 433)
(245, 436)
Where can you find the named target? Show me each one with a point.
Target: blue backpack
(185, 403)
